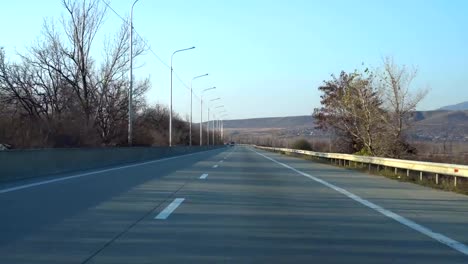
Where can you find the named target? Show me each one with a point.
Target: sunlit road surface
(234, 205)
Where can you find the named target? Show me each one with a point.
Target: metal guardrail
(408, 165)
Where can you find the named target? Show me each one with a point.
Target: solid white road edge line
(164, 214)
(203, 176)
(460, 247)
(25, 186)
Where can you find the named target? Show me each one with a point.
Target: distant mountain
(436, 125)
(271, 122)
(456, 107)
(440, 125)
(441, 118)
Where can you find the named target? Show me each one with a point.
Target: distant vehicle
(232, 144)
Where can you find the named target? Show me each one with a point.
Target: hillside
(456, 107)
(429, 126)
(271, 122)
(441, 126)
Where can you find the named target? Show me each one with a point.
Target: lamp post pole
(191, 108)
(208, 131)
(222, 125)
(208, 128)
(170, 111)
(214, 130)
(218, 122)
(130, 90)
(201, 114)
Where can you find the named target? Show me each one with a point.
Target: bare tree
(351, 108)
(81, 26)
(395, 86)
(371, 112)
(330, 116)
(112, 86)
(364, 109)
(56, 74)
(20, 90)
(56, 88)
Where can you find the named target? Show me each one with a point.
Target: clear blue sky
(267, 58)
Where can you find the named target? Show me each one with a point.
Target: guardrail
(408, 165)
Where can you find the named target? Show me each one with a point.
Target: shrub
(363, 152)
(302, 144)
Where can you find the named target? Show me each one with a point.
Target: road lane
(441, 211)
(67, 221)
(460, 247)
(252, 210)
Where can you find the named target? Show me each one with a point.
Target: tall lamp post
(214, 130)
(218, 121)
(208, 128)
(201, 114)
(208, 123)
(222, 123)
(170, 112)
(191, 109)
(130, 90)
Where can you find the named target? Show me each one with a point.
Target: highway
(230, 205)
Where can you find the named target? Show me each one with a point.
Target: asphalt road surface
(231, 205)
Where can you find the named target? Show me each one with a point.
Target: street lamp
(130, 90)
(170, 112)
(191, 97)
(201, 114)
(222, 124)
(214, 129)
(208, 123)
(217, 123)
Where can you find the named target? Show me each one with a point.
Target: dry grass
(443, 152)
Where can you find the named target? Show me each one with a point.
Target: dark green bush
(363, 152)
(302, 144)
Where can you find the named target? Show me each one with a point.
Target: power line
(115, 12)
(138, 34)
(149, 48)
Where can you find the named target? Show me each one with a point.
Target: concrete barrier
(22, 164)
